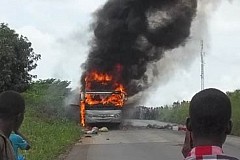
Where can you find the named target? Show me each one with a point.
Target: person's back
(12, 108)
(208, 153)
(6, 150)
(208, 125)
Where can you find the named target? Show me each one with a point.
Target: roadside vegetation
(178, 112)
(46, 125)
(235, 100)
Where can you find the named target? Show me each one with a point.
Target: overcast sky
(59, 31)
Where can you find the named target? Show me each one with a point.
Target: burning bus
(128, 41)
(102, 99)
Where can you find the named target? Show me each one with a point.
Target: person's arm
(20, 134)
(188, 144)
(23, 143)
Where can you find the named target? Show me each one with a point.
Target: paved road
(138, 144)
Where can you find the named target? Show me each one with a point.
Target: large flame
(117, 98)
(82, 115)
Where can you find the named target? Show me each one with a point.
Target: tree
(17, 59)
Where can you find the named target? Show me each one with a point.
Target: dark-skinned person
(19, 141)
(208, 125)
(12, 108)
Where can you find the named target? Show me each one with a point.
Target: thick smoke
(131, 34)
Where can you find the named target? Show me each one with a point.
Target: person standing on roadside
(12, 108)
(208, 125)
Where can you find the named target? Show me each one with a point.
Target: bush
(235, 100)
(46, 126)
(47, 97)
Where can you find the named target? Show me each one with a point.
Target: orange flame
(117, 98)
(98, 77)
(82, 114)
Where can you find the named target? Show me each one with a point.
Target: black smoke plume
(131, 34)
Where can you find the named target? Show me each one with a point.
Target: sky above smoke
(59, 31)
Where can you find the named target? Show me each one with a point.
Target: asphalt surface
(138, 143)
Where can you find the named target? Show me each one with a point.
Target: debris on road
(103, 129)
(94, 130)
(178, 127)
(158, 126)
(174, 127)
(88, 135)
(182, 128)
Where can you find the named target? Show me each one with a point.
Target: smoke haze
(135, 34)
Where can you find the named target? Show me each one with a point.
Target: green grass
(48, 137)
(46, 126)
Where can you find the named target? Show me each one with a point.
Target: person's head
(210, 114)
(12, 108)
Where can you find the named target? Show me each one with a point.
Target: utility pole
(202, 66)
